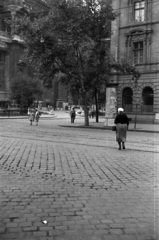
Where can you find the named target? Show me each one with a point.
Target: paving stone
(116, 231)
(29, 229)
(111, 237)
(2, 229)
(77, 181)
(40, 234)
(128, 237)
(25, 224)
(11, 225)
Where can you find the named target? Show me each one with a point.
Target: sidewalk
(44, 116)
(79, 122)
(149, 128)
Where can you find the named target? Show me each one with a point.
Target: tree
(25, 90)
(70, 41)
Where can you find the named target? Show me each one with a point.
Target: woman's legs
(119, 145)
(123, 145)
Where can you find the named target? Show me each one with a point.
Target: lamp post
(106, 42)
(136, 77)
(21, 65)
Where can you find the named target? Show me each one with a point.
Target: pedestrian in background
(31, 115)
(72, 115)
(122, 123)
(37, 116)
(92, 113)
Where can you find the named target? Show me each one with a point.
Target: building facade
(11, 50)
(135, 38)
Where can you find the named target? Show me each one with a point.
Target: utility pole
(136, 77)
(21, 65)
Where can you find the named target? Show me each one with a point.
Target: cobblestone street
(58, 183)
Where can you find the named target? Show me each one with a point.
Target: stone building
(11, 50)
(11, 47)
(135, 38)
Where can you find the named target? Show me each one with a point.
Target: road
(78, 182)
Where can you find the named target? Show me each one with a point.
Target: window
(138, 52)
(2, 68)
(139, 11)
(127, 99)
(6, 26)
(147, 99)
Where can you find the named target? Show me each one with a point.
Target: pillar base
(109, 122)
(157, 118)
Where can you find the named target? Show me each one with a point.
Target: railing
(128, 107)
(147, 108)
(5, 36)
(10, 112)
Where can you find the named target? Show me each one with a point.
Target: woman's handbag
(114, 128)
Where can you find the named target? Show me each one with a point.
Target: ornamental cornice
(138, 35)
(138, 32)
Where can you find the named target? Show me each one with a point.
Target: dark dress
(122, 123)
(72, 115)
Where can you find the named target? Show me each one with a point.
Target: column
(111, 104)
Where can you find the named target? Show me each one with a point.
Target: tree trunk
(86, 115)
(96, 101)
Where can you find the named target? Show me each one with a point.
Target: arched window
(6, 26)
(147, 99)
(127, 99)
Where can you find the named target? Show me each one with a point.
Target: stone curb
(49, 118)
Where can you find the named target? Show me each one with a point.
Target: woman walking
(31, 115)
(122, 123)
(37, 116)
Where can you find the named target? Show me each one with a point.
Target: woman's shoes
(123, 146)
(119, 143)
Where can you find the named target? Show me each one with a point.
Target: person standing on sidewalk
(72, 115)
(122, 123)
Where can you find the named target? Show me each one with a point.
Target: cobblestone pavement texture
(78, 182)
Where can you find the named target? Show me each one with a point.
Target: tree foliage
(25, 90)
(71, 40)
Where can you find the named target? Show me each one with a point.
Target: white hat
(120, 110)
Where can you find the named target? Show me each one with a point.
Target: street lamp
(135, 78)
(21, 65)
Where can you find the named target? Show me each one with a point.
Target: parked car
(80, 113)
(91, 113)
(17, 110)
(51, 112)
